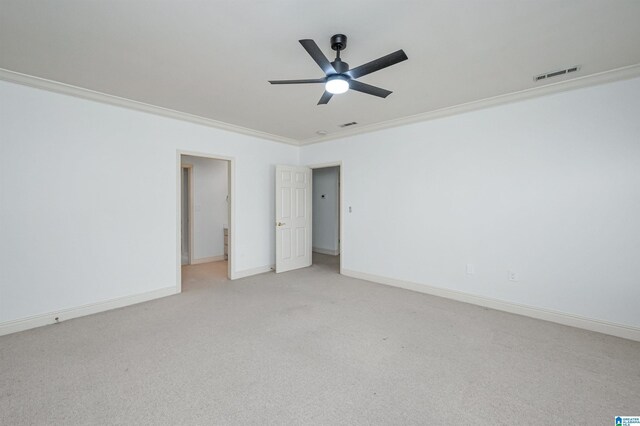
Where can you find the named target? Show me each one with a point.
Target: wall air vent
(556, 73)
(353, 123)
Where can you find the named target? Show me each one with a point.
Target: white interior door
(293, 217)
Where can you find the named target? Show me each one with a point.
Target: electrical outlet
(470, 269)
(513, 276)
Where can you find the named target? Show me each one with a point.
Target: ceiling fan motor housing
(339, 42)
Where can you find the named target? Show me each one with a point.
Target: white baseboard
(326, 251)
(15, 326)
(253, 271)
(614, 329)
(207, 259)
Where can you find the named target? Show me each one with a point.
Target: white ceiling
(213, 58)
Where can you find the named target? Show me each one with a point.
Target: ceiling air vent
(556, 73)
(353, 123)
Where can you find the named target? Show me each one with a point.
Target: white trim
(253, 271)
(325, 251)
(325, 165)
(231, 225)
(15, 326)
(600, 326)
(80, 92)
(622, 73)
(207, 259)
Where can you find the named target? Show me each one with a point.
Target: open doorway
(186, 209)
(205, 218)
(326, 206)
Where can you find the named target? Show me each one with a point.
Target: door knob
(281, 223)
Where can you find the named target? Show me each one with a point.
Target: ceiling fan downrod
(338, 43)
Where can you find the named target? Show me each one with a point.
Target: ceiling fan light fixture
(337, 84)
(338, 77)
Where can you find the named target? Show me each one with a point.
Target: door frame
(189, 168)
(231, 162)
(339, 165)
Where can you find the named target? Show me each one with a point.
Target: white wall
(210, 207)
(325, 210)
(89, 199)
(548, 188)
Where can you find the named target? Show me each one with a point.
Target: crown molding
(622, 73)
(80, 92)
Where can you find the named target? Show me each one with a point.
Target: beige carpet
(313, 347)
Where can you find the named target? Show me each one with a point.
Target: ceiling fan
(338, 77)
